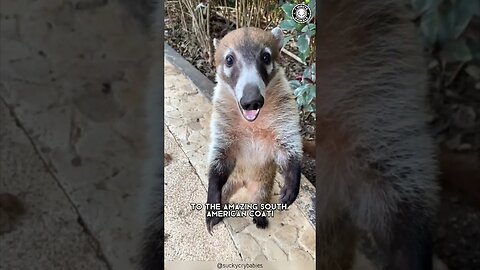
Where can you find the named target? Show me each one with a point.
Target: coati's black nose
(251, 99)
(251, 104)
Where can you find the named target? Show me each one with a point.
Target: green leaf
(294, 84)
(303, 56)
(456, 50)
(475, 7)
(462, 16)
(309, 93)
(474, 46)
(286, 40)
(312, 90)
(310, 26)
(288, 24)
(309, 108)
(445, 25)
(308, 98)
(287, 9)
(302, 43)
(312, 5)
(454, 19)
(421, 6)
(300, 90)
(473, 71)
(429, 25)
(307, 73)
(309, 29)
(301, 100)
(231, 3)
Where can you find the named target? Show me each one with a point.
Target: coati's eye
(229, 60)
(266, 58)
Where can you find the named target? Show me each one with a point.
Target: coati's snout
(245, 61)
(251, 102)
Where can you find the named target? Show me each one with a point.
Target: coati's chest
(256, 145)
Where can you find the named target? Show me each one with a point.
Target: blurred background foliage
(303, 35)
(450, 32)
(443, 27)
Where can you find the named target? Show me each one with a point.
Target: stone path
(50, 234)
(186, 236)
(72, 74)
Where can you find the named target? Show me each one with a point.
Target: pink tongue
(250, 114)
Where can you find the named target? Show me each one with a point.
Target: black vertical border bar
(151, 254)
(160, 38)
(318, 6)
(161, 59)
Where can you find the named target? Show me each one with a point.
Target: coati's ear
(215, 43)
(278, 35)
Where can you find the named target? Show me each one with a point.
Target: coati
(375, 160)
(254, 125)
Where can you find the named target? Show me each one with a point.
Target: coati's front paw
(288, 195)
(260, 222)
(211, 222)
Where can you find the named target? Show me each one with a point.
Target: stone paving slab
(186, 236)
(50, 235)
(290, 235)
(73, 73)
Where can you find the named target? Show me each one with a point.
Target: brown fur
(257, 138)
(234, 38)
(375, 167)
(244, 155)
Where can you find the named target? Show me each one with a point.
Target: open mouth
(250, 115)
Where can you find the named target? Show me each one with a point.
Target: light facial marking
(249, 75)
(227, 70)
(269, 67)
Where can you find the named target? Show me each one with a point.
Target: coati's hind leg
(404, 243)
(336, 237)
(221, 166)
(398, 222)
(261, 190)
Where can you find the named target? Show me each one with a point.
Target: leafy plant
(304, 89)
(304, 35)
(442, 24)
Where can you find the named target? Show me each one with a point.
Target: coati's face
(246, 61)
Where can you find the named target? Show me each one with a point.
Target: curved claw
(288, 196)
(211, 222)
(209, 229)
